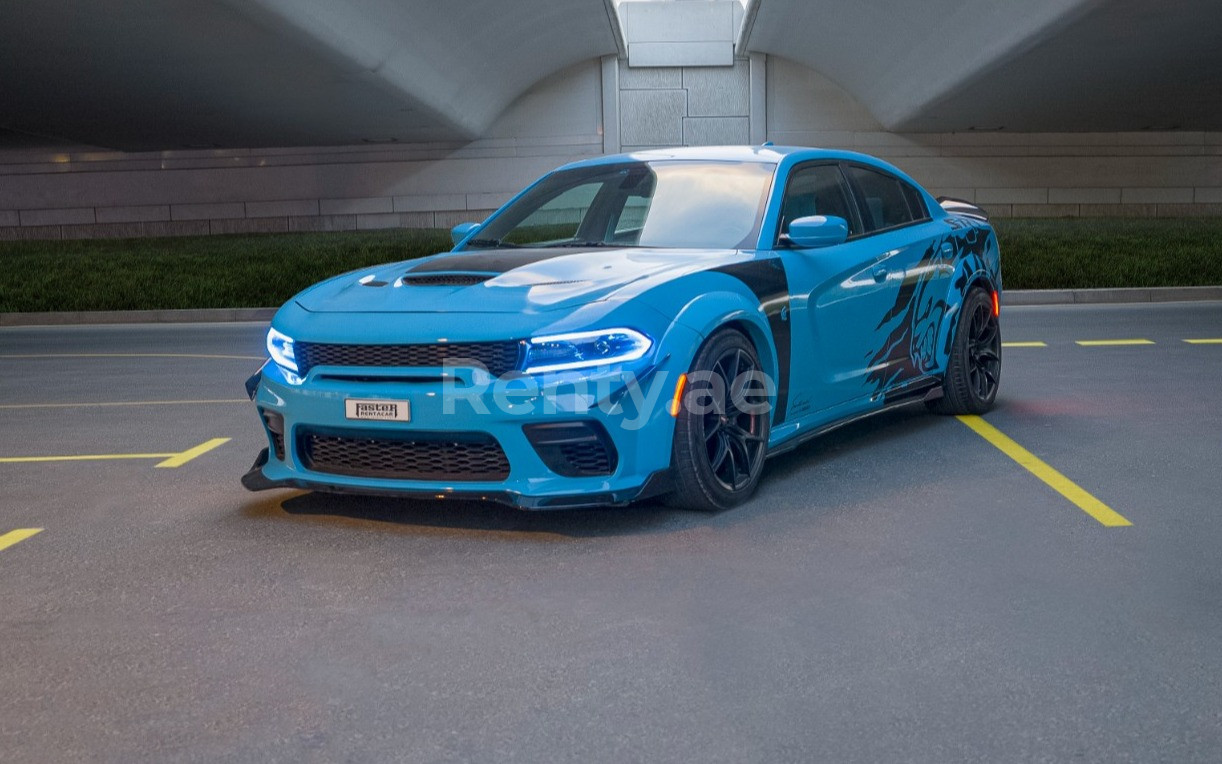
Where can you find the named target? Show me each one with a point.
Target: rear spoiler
(962, 207)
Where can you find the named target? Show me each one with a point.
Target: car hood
(504, 280)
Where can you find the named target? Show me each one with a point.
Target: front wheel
(974, 371)
(721, 430)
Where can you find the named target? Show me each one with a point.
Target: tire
(973, 373)
(721, 431)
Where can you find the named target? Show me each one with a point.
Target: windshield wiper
(580, 244)
(491, 243)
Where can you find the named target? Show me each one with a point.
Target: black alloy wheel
(984, 352)
(721, 433)
(974, 372)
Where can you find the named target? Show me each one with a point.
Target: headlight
(582, 350)
(280, 348)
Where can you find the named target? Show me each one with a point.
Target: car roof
(763, 154)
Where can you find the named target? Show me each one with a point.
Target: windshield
(638, 204)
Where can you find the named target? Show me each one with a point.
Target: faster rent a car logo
(377, 410)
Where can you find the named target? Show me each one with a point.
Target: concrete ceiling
(140, 75)
(136, 75)
(1036, 65)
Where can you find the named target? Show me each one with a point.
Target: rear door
(908, 253)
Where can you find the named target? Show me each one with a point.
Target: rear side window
(915, 202)
(883, 199)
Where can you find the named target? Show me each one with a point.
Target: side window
(634, 199)
(916, 202)
(559, 218)
(881, 199)
(817, 190)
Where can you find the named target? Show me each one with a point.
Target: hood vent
(446, 279)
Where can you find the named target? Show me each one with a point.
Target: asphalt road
(901, 590)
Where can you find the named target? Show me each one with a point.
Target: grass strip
(1095, 253)
(265, 270)
(192, 272)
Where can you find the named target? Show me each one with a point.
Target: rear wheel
(974, 371)
(721, 432)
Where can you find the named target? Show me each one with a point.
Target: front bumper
(637, 424)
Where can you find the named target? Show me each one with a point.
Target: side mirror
(818, 231)
(463, 230)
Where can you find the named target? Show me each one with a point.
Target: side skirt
(918, 391)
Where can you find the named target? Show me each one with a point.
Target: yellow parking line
(1055, 480)
(81, 458)
(17, 536)
(168, 460)
(9, 406)
(179, 460)
(136, 355)
(1204, 342)
(1106, 343)
(1024, 344)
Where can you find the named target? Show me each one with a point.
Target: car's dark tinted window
(817, 190)
(916, 202)
(881, 199)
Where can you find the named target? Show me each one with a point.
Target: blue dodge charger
(653, 324)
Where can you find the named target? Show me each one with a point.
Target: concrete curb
(202, 315)
(1013, 297)
(1099, 296)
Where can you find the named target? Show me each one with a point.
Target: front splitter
(656, 484)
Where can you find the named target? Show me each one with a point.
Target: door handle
(880, 274)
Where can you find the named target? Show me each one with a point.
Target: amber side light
(996, 305)
(677, 401)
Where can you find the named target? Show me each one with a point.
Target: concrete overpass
(1034, 66)
(135, 75)
(122, 117)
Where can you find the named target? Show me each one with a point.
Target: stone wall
(91, 193)
(684, 106)
(1165, 174)
(596, 107)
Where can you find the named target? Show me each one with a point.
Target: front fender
(708, 301)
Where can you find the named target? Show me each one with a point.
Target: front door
(845, 296)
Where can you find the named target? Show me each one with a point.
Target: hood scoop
(445, 279)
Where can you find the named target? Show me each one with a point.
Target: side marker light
(676, 403)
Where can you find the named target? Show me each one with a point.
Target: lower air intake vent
(275, 429)
(573, 449)
(467, 457)
(587, 458)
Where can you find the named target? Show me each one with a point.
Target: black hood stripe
(493, 261)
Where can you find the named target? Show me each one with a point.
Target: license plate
(379, 411)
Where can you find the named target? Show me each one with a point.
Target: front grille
(574, 449)
(497, 357)
(418, 456)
